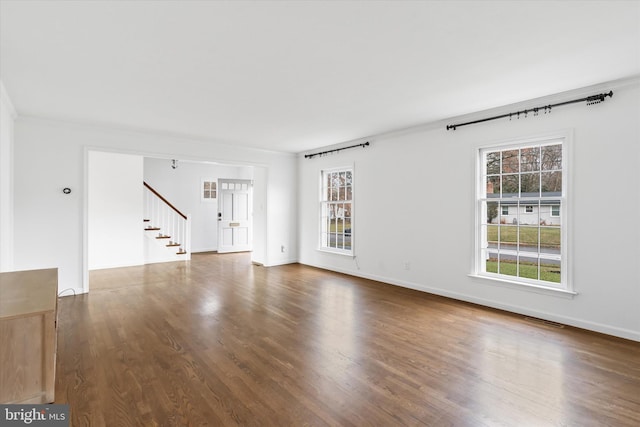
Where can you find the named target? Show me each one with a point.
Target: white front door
(234, 215)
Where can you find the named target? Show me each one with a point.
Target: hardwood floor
(218, 341)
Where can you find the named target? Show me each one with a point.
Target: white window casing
(528, 247)
(337, 210)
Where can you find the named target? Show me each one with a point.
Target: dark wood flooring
(217, 341)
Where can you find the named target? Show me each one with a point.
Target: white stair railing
(167, 222)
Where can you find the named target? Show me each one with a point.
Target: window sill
(337, 252)
(539, 289)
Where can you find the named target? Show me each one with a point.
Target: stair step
(152, 229)
(181, 253)
(146, 220)
(163, 237)
(173, 244)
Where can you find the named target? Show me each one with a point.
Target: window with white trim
(209, 190)
(528, 247)
(336, 217)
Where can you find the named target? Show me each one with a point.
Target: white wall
(414, 203)
(49, 229)
(7, 117)
(115, 214)
(181, 186)
(282, 214)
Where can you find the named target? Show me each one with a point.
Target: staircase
(167, 227)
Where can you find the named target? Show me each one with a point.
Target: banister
(164, 200)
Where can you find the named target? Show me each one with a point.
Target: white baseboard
(70, 292)
(281, 262)
(566, 320)
(195, 251)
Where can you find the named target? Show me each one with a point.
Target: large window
(336, 223)
(528, 245)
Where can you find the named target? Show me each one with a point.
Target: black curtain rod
(309, 156)
(593, 99)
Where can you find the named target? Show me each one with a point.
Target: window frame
(565, 286)
(322, 246)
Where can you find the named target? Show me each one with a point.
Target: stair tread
(152, 229)
(163, 237)
(173, 244)
(146, 220)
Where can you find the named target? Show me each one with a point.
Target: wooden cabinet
(28, 313)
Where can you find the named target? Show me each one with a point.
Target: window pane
(347, 210)
(510, 186)
(510, 161)
(349, 178)
(349, 193)
(493, 186)
(207, 185)
(550, 270)
(492, 235)
(552, 157)
(492, 213)
(528, 238)
(207, 194)
(529, 214)
(504, 212)
(333, 194)
(528, 267)
(551, 183)
(491, 265)
(343, 178)
(530, 159)
(530, 184)
(507, 266)
(493, 163)
(508, 236)
(491, 260)
(347, 241)
(335, 179)
(550, 239)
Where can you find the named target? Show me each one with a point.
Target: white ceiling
(297, 75)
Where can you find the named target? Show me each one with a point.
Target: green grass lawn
(549, 236)
(548, 272)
